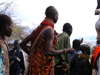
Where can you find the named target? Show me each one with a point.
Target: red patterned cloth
(40, 63)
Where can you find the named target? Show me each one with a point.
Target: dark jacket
(17, 60)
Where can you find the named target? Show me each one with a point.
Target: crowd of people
(50, 53)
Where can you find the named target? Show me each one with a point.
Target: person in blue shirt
(74, 58)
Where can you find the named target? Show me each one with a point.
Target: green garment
(63, 42)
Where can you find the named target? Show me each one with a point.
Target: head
(67, 27)
(98, 41)
(85, 48)
(5, 25)
(52, 13)
(76, 44)
(16, 43)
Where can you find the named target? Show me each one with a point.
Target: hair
(5, 20)
(50, 11)
(98, 41)
(85, 48)
(67, 26)
(16, 41)
(76, 44)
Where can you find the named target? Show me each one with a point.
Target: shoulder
(49, 31)
(64, 34)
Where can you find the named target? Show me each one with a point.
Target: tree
(19, 32)
(7, 8)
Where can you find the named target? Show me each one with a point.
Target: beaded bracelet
(64, 51)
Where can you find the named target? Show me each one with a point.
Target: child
(74, 58)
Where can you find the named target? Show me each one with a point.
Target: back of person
(84, 66)
(63, 38)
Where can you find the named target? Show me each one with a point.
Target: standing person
(63, 42)
(5, 30)
(16, 60)
(43, 40)
(74, 58)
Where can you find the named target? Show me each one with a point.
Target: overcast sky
(79, 13)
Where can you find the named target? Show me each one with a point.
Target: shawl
(45, 23)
